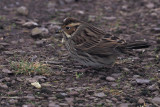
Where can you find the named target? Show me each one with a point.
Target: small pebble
(150, 5)
(22, 10)
(141, 101)
(40, 43)
(124, 105)
(142, 81)
(111, 79)
(156, 100)
(6, 71)
(30, 24)
(100, 94)
(13, 101)
(4, 86)
(39, 31)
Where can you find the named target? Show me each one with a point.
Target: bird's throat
(67, 35)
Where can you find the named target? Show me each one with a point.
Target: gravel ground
(36, 70)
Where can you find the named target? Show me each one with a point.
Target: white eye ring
(67, 28)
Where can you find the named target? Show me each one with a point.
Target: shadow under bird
(93, 47)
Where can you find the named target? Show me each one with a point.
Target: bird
(92, 46)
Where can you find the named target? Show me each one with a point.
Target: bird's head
(69, 26)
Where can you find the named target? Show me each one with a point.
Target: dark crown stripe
(69, 21)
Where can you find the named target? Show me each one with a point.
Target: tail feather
(137, 45)
(128, 46)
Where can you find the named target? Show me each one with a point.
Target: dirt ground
(32, 53)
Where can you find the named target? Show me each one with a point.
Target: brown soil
(66, 85)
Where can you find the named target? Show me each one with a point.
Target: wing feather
(95, 41)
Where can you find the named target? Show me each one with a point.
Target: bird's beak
(59, 31)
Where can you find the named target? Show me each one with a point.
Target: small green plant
(117, 24)
(149, 66)
(2, 18)
(29, 68)
(13, 25)
(100, 105)
(78, 75)
(144, 105)
(115, 92)
(152, 79)
(157, 57)
(136, 26)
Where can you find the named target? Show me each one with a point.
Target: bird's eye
(67, 28)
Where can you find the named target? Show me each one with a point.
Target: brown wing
(94, 41)
(87, 34)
